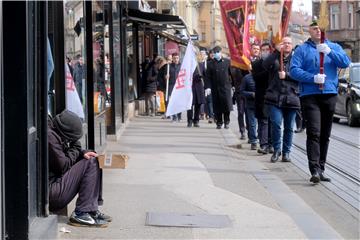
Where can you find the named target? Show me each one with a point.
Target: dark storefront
(28, 95)
(111, 40)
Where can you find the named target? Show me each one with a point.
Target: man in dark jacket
(150, 87)
(79, 75)
(282, 96)
(73, 171)
(174, 71)
(237, 77)
(218, 83)
(247, 89)
(193, 114)
(261, 78)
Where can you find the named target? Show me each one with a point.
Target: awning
(156, 21)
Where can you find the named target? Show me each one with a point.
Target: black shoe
(210, 120)
(253, 146)
(100, 216)
(270, 149)
(286, 157)
(315, 178)
(189, 124)
(196, 124)
(226, 126)
(218, 126)
(275, 157)
(323, 178)
(85, 220)
(242, 136)
(263, 150)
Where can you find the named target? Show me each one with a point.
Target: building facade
(344, 25)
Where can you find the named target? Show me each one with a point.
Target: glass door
(75, 63)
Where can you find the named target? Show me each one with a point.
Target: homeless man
(73, 171)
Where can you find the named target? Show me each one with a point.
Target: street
(175, 169)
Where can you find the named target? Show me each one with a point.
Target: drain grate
(187, 220)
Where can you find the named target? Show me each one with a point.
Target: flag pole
(323, 24)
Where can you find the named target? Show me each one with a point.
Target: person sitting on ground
(73, 171)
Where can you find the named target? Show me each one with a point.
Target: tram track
(337, 169)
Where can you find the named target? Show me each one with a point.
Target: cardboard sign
(113, 160)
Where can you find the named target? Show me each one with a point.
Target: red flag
(234, 15)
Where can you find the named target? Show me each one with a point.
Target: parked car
(348, 102)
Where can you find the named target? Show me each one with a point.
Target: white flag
(181, 96)
(72, 97)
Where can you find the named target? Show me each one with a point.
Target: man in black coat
(261, 78)
(73, 171)
(218, 83)
(193, 114)
(282, 95)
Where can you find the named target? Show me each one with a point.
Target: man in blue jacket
(319, 102)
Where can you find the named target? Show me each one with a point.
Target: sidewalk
(175, 169)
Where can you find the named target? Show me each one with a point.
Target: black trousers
(318, 112)
(84, 178)
(193, 114)
(240, 103)
(222, 117)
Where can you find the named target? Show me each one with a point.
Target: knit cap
(68, 125)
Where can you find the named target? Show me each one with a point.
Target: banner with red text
(181, 96)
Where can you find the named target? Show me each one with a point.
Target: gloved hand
(319, 78)
(207, 92)
(282, 74)
(324, 48)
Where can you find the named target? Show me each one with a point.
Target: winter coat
(305, 63)
(261, 78)
(62, 155)
(198, 85)
(151, 81)
(173, 72)
(218, 80)
(161, 80)
(247, 89)
(281, 93)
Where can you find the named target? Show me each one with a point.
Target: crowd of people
(282, 93)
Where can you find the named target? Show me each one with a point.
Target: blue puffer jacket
(305, 63)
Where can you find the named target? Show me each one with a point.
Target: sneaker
(85, 220)
(286, 157)
(218, 126)
(226, 126)
(196, 124)
(100, 216)
(210, 120)
(315, 178)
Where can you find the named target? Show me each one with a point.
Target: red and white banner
(181, 96)
(234, 15)
(272, 18)
(251, 21)
(73, 102)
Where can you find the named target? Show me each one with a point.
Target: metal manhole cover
(187, 220)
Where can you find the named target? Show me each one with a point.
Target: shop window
(131, 62)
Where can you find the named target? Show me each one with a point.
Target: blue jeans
(250, 114)
(277, 115)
